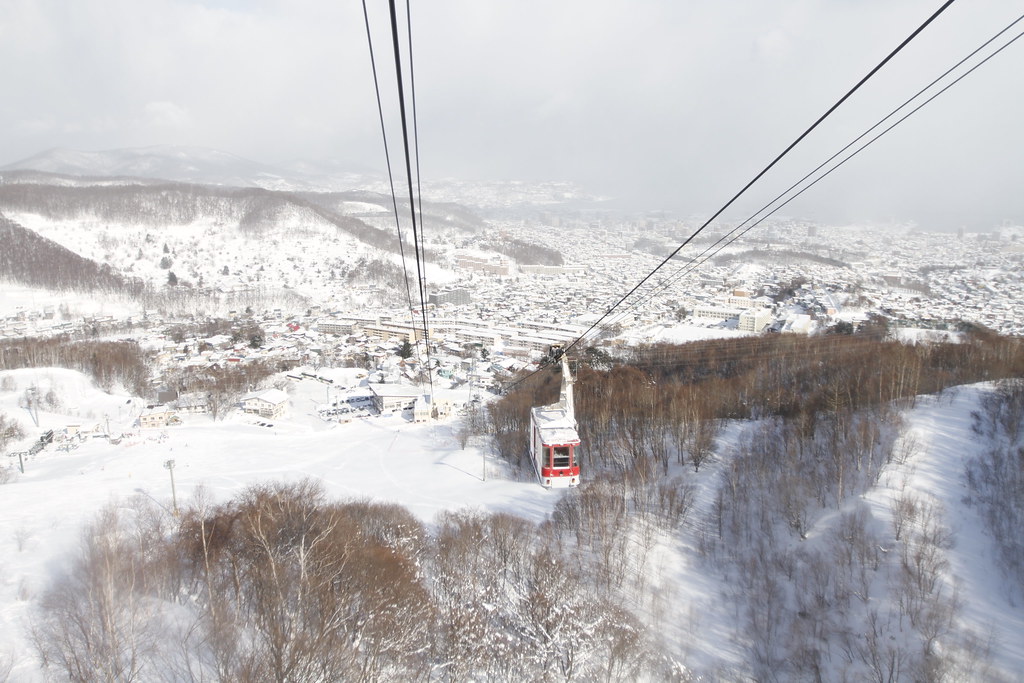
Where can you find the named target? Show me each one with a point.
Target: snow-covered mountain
(212, 167)
(162, 218)
(194, 165)
(327, 246)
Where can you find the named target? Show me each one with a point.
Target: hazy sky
(669, 104)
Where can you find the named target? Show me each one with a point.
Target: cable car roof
(556, 427)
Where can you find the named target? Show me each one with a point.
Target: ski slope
(389, 459)
(422, 467)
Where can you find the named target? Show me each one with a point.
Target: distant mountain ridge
(193, 165)
(203, 166)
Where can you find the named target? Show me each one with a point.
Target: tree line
(777, 256)
(107, 362)
(667, 400)
(524, 252)
(995, 477)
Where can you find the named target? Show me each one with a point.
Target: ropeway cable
(387, 158)
(700, 258)
(767, 168)
(736, 233)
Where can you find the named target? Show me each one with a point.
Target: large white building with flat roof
(390, 397)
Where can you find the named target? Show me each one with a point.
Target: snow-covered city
(316, 366)
(287, 357)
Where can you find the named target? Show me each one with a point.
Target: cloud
(166, 115)
(663, 104)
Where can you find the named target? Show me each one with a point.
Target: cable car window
(561, 456)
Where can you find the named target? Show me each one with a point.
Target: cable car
(553, 435)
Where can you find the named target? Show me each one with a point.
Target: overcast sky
(669, 104)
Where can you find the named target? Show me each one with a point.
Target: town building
(155, 417)
(271, 404)
(456, 297)
(392, 397)
(754, 319)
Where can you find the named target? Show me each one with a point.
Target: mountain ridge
(181, 163)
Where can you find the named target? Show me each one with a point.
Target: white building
(272, 403)
(754, 319)
(335, 326)
(738, 301)
(391, 397)
(155, 417)
(715, 313)
(422, 408)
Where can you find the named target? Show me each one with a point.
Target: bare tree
(96, 622)
(904, 508)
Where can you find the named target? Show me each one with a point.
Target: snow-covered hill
(298, 251)
(423, 468)
(331, 248)
(213, 167)
(193, 165)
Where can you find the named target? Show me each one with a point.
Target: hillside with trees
(771, 477)
(809, 569)
(29, 259)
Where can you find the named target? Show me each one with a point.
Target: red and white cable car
(553, 435)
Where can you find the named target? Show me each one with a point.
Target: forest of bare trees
(525, 252)
(33, 260)
(126, 363)
(996, 477)
(667, 401)
(282, 584)
(816, 583)
(107, 362)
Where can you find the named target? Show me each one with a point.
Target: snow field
(419, 466)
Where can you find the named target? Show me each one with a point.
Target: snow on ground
(694, 593)
(917, 335)
(679, 334)
(939, 431)
(77, 402)
(15, 297)
(363, 207)
(422, 467)
(388, 459)
(299, 252)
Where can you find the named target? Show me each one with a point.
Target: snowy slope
(382, 459)
(423, 468)
(939, 430)
(300, 252)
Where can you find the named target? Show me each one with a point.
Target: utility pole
(32, 397)
(473, 416)
(169, 466)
